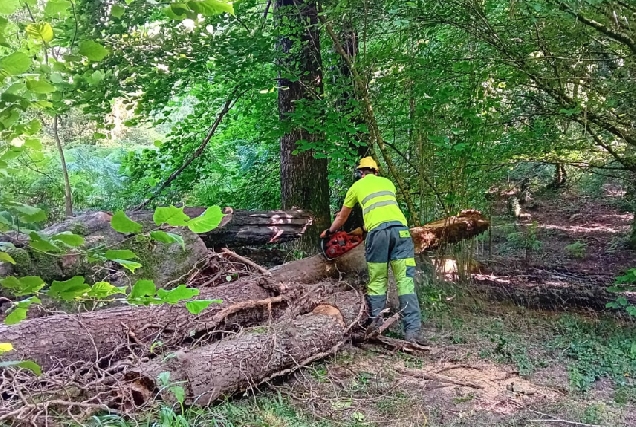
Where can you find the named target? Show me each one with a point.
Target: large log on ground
(548, 289)
(231, 365)
(452, 229)
(94, 335)
(240, 227)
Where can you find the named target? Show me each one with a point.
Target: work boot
(415, 337)
(411, 317)
(376, 304)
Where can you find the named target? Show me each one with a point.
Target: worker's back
(376, 196)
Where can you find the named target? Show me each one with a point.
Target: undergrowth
(264, 411)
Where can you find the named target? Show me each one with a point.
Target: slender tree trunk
(68, 196)
(304, 183)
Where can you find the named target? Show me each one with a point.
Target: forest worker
(388, 242)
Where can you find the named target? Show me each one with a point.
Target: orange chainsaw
(339, 243)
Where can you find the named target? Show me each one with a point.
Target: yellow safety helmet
(368, 162)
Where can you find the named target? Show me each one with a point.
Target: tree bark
(304, 181)
(231, 365)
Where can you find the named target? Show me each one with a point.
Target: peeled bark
(231, 365)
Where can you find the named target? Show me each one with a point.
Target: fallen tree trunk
(452, 229)
(239, 228)
(94, 335)
(231, 365)
(551, 290)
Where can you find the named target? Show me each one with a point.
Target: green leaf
(196, 307)
(33, 144)
(123, 224)
(143, 288)
(129, 265)
(5, 347)
(7, 7)
(92, 50)
(24, 364)
(177, 294)
(208, 220)
(16, 63)
(120, 254)
(631, 310)
(117, 11)
(178, 392)
(103, 290)
(211, 7)
(16, 316)
(42, 31)
(25, 285)
(69, 289)
(55, 8)
(41, 243)
(170, 215)
(163, 237)
(5, 257)
(68, 238)
(19, 311)
(28, 213)
(40, 86)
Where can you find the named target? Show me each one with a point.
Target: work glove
(325, 234)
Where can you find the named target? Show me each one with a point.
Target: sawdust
(485, 386)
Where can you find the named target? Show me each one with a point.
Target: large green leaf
(42, 243)
(93, 50)
(127, 264)
(24, 364)
(103, 290)
(5, 257)
(117, 254)
(211, 7)
(19, 311)
(123, 224)
(164, 237)
(25, 285)
(57, 8)
(15, 64)
(69, 239)
(28, 213)
(177, 294)
(69, 289)
(196, 307)
(41, 31)
(143, 288)
(170, 215)
(40, 86)
(7, 7)
(208, 220)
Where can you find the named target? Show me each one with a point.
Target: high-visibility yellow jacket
(376, 196)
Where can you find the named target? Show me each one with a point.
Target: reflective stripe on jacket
(376, 196)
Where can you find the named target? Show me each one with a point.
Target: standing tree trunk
(304, 182)
(68, 195)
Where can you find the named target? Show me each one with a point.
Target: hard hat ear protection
(357, 174)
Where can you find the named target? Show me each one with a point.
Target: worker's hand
(325, 234)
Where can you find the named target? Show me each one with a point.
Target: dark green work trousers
(391, 244)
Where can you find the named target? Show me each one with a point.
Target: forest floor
(491, 363)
